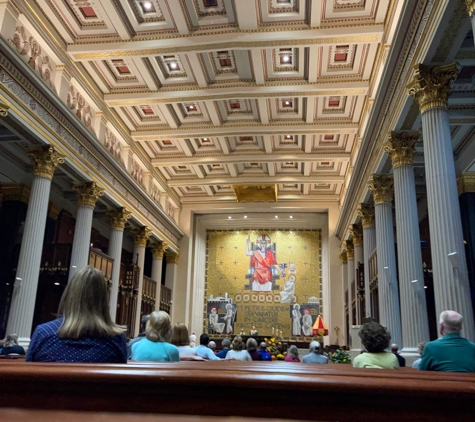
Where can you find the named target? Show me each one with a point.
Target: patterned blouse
(47, 346)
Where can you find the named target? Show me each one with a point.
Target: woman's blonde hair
(238, 345)
(180, 335)
(84, 307)
(159, 327)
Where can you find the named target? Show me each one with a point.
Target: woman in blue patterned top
(156, 346)
(85, 331)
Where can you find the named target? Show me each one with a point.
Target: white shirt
(241, 355)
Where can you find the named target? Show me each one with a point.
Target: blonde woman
(180, 340)
(238, 352)
(84, 332)
(156, 347)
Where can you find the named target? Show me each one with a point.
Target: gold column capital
(350, 251)
(172, 257)
(470, 7)
(430, 86)
(382, 188)
(141, 235)
(343, 258)
(401, 147)
(45, 159)
(466, 183)
(159, 250)
(366, 213)
(357, 233)
(4, 110)
(88, 193)
(119, 217)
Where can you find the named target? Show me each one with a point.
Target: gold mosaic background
(227, 266)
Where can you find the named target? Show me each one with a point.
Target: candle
(272, 330)
(281, 333)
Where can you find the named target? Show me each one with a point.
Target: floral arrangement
(275, 349)
(340, 356)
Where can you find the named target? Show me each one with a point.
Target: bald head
(450, 322)
(263, 345)
(394, 348)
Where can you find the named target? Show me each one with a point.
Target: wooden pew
(247, 389)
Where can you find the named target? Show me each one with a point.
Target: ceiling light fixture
(205, 139)
(229, 218)
(245, 216)
(288, 137)
(276, 216)
(56, 284)
(285, 58)
(147, 5)
(287, 102)
(291, 217)
(173, 65)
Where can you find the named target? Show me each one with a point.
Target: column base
(410, 354)
(24, 342)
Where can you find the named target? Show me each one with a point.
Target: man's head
(450, 322)
(212, 345)
(226, 343)
(394, 348)
(144, 321)
(204, 339)
(314, 347)
(263, 345)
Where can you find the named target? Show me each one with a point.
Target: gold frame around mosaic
(254, 193)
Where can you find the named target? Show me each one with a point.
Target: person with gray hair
(314, 355)
(452, 352)
(141, 336)
(292, 354)
(226, 345)
(11, 347)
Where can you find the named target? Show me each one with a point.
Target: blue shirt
(155, 351)
(47, 346)
(222, 354)
(265, 355)
(205, 353)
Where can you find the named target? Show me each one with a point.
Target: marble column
(381, 187)
(119, 217)
(87, 195)
(157, 264)
(170, 277)
(430, 88)
(366, 213)
(140, 242)
(45, 161)
(344, 279)
(350, 255)
(471, 12)
(357, 234)
(415, 324)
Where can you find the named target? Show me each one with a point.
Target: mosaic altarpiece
(269, 279)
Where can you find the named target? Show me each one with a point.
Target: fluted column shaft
(358, 258)
(351, 278)
(390, 315)
(369, 242)
(415, 325)
(45, 160)
(115, 252)
(157, 265)
(139, 255)
(344, 280)
(82, 239)
(26, 283)
(451, 285)
(170, 279)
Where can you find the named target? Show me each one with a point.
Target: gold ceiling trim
(225, 46)
(255, 193)
(245, 95)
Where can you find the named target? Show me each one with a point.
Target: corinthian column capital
(159, 250)
(344, 258)
(357, 234)
(382, 188)
(4, 110)
(470, 7)
(430, 87)
(401, 147)
(366, 213)
(141, 235)
(172, 257)
(88, 193)
(119, 217)
(350, 251)
(45, 160)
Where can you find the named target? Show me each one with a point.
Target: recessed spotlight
(173, 65)
(147, 5)
(287, 102)
(229, 218)
(288, 137)
(205, 139)
(285, 58)
(291, 217)
(56, 284)
(192, 107)
(276, 216)
(245, 216)
(425, 287)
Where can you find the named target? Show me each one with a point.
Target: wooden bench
(247, 389)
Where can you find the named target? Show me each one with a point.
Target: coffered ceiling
(223, 92)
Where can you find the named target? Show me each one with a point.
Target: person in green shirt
(375, 339)
(452, 352)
